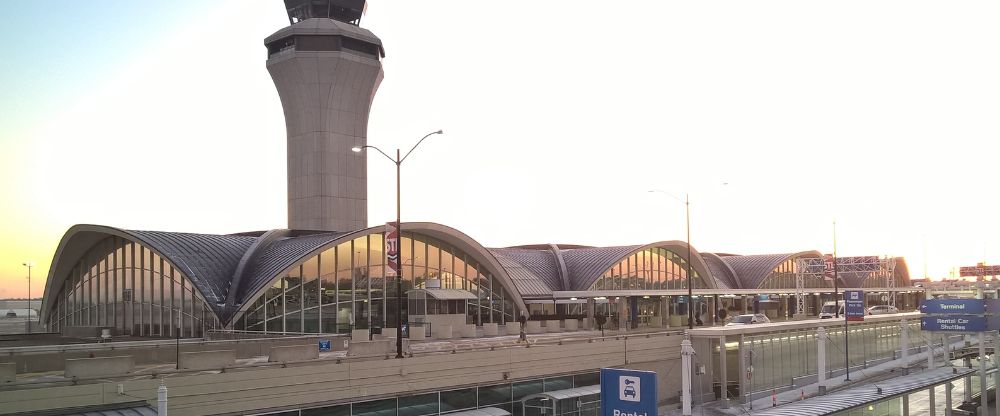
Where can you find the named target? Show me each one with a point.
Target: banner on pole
(391, 249)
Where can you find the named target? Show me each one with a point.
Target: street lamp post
(687, 221)
(29, 265)
(399, 267)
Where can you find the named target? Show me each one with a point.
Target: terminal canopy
(579, 399)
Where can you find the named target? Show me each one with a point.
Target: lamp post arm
(380, 151)
(418, 144)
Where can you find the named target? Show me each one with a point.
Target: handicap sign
(628, 392)
(324, 345)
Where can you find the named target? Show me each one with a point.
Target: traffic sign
(953, 323)
(324, 345)
(628, 392)
(958, 306)
(854, 305)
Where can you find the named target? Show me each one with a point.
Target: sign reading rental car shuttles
(628, 392)
(960, 315)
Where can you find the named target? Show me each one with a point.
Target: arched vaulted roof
(724, 275)
(207, 260)
(586, 265)
(230, 271)
(535, 273)
(752, 270)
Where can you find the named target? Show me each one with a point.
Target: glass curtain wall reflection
(345, 287)
(783, 278)
(650, 269)
(124, 285)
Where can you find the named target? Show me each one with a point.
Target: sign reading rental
(391, 249)
(956, 323)
(628, 392)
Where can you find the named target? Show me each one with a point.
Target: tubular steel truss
(881, 269)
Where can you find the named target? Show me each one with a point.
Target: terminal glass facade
(346, 287)
(124, 285)
(650, 269)
(783, 278)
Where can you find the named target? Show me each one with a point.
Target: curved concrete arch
(446, 234)
(679, 248)
(82, 237)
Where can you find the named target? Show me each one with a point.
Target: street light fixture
(687, 220)
(399, 267)
(29, 265)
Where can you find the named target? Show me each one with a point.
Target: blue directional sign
(953, 323)
(324, 345)
(854, 305)
(628, 392)
(958, 306)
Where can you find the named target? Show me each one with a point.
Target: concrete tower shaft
(326, 72)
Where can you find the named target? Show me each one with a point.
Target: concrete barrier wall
(418, 333)
(359, 335)
(82, 331)
(553, 325)
(533, 327)
(389, 333)
(8, 373)
(312, 384)
(468, 331)
(97, 367)
(370, 348)
(491, 330)
(571, 324)
(208, 360)
(442, 331)
(152, 352)
(295, 353)
(656, 321)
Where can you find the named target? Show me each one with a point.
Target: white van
(830, 309)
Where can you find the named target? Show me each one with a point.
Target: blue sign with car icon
(628, 392)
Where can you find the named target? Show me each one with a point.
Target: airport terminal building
(148, 283)
(326, 273)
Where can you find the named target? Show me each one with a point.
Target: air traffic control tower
(326, 69)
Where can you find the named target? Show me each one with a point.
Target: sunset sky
(559, 116)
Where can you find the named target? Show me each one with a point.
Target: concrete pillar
(967, 396)
(665, 304)
(930, 352)
(161, 400)
(932, 410)
(723, 377)
(591, 307)
(743, 370)
(821, 359)
(904, 345)
(983, 395)
(715, 309)
(686, 352)
(622, 313)
(906, 405)
(947, 399)
(996, 374)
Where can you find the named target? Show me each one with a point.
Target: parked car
(754, 318)
(832, 309)
(882, 310)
